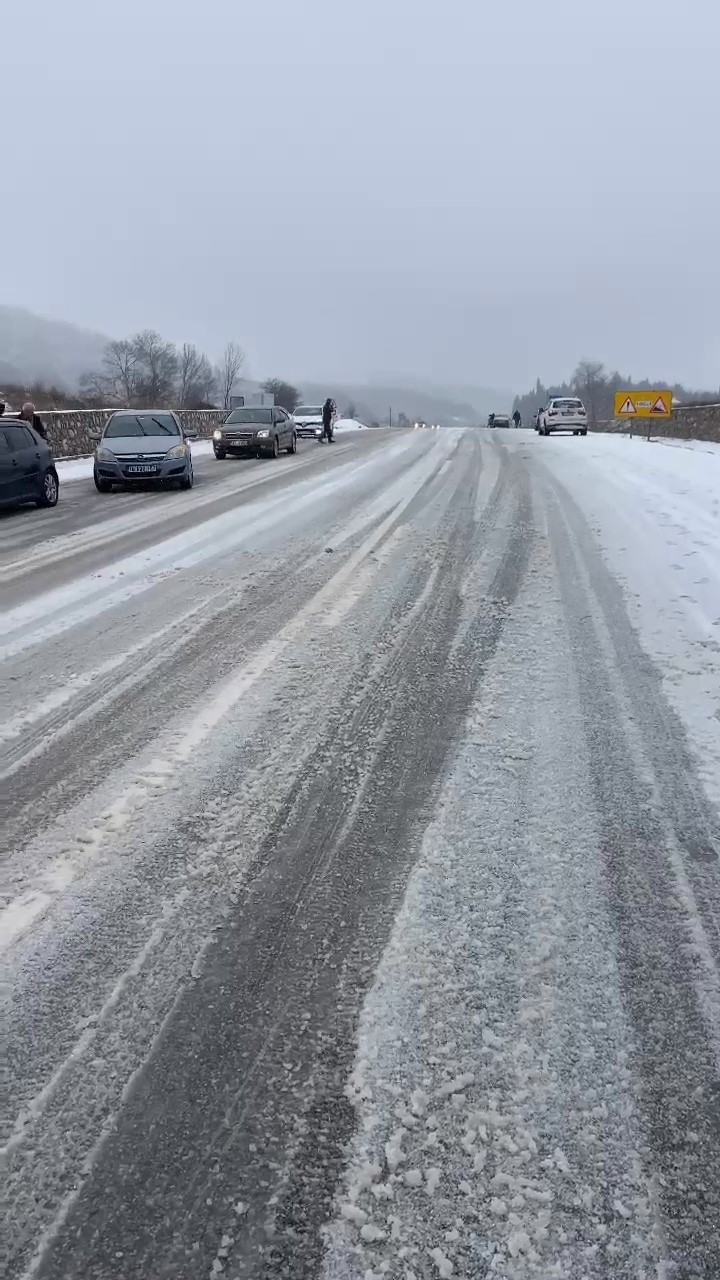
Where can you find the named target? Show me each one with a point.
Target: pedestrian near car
(28, 414)
(328, 417)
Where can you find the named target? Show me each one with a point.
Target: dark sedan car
(27, 467)
(262, 432)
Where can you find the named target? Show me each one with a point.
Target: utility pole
(390, 415)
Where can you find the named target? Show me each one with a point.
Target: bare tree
(589, 382)
(206, 383)
(286, 395)
(157, 362)
(233, 359)
(190, 371)
(115, 381)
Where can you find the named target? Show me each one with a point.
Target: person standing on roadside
(2, 406)
(28, 414)
(328, 417)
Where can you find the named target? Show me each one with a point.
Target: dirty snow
(492, 1087)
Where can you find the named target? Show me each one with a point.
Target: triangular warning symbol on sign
(659, 406)
(628, 407)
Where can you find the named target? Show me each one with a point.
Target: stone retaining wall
(69, 430)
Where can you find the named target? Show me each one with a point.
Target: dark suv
(27, 467)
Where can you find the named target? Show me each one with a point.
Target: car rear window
(18, 437)
(141, 424)
(568, 404)
(263, 416)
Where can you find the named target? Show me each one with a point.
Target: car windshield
(250, 415)
(309, 411)
(567, 404)
(141, 424)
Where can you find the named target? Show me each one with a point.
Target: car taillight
(582, 413)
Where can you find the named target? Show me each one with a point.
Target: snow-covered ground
(360, 916)
(348, 424)
(498, 1097)
(655, 510)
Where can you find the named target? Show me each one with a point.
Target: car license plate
(146, 470)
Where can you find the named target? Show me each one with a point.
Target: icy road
(361, 899)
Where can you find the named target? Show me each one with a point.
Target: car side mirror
(190, 435)
(95, 436)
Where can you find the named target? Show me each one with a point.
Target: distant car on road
(499, 420)
(27, 466)
(563, 413)
(308, 421)
(143, 444)
(262, 431)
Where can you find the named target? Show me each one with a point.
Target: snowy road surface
(361, 903)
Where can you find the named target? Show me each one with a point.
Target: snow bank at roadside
(348, 424)
(70, 469)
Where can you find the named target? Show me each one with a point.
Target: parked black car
(263, 431)
(27, 466)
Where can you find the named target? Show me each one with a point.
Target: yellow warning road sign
(643, 404)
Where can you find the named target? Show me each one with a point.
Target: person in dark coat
(28, 414)
(328, 417)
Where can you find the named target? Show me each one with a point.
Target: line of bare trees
(596, 387)
(146, 370)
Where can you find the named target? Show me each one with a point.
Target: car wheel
(49, 491)
(102, 486)
(584, 433)
(275, 450)
(219, 454)
(188, 480)
(292, 448)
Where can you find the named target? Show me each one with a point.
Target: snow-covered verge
(673, 442)
(348, 424)
(655, 509)
(69, 469)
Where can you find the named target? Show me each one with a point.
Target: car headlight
(263, 435)
(217, 435)
(179, 451)
(105, 455)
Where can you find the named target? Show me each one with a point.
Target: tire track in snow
(272, 981)
(41, 1113)
(496, 1132)
(646, 806)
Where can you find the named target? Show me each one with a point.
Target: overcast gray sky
(456, 189)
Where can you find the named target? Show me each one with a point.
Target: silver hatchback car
(143, 444)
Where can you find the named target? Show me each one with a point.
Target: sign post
(647, 405)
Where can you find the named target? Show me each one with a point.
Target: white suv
(563, 413)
